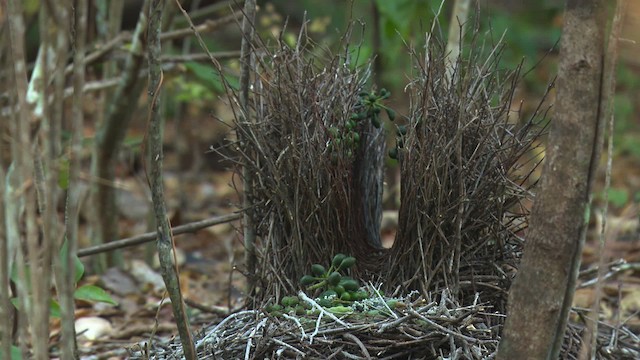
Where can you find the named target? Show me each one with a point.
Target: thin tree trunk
(249, 228)
(165, 238)
(543, 290)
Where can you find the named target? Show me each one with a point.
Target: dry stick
(609, 84)
(5, 305)
(165, 238)
(150, 236)
(65, 281)
(249, 228)
(110, 135)
(54, 48)
(456, 31)
(30, 290)
(207, 26)
(125, 36)
(15, 181)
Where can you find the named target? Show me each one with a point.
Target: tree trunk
(542, 292)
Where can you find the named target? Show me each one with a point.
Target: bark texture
(542, 292)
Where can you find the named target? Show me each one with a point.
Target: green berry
(391, 114)
(290, 301)
(307, 280)
(351, 285)
(334, 278)
(329, 293)
(393, 153)
(318, 270)
(337, 260)
(348, 262)
(375, 121)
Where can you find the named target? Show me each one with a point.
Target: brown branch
(126, 36)
(249, 228)
(205, 27)
(151, 236)
(165, 244)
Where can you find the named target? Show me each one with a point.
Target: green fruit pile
(345, 140)
(370, 106)
(335, 286)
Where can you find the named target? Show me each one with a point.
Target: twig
(355, 339)
(207, 26)
(377, 292)
(247, 351)
(314, 304)
(212, 333)
(443, 329)
(293, 348)
(151, 236)
(249, 228)
(165, 243)
(219, 310)
(608, 91)
(108, 140)
(295, 320)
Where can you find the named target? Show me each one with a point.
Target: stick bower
(391, 328)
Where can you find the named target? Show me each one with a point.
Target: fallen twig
(151, 236)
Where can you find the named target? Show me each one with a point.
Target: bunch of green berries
(333, 283)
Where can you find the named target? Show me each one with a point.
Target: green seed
(351, 285)
(391, 114)
(290, 301)
(350, 124)
(401, 130)
(359, 295)
(339, 289)
(375, 121)
(334, 278)
(393, 153)
(307, 280)
(345, 296)
(318, 270)
(329, 293)
(337, 259)
(348, 262)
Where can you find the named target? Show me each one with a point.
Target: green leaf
(94, 294)
(618, 197)
(78, 270)
(15, 302)
(54, 309)
(207, 75)
(16, 353)
(63, 174)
